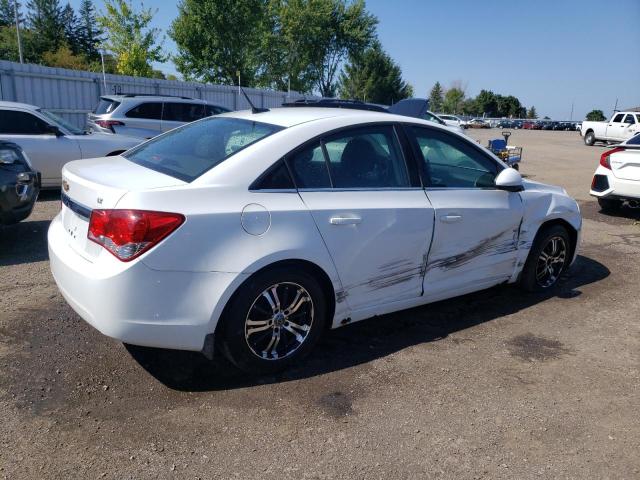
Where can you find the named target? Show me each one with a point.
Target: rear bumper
(134, 303)
(608, 185)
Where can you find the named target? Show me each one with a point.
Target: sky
(548, 53)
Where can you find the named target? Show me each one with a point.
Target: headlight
(8, 157)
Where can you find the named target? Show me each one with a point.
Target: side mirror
(510, 180)
(53, 130)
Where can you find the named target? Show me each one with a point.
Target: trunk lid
(625, 164)
(101, 183)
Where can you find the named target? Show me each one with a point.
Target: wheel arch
(571, 230)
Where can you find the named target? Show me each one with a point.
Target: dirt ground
(497, 384)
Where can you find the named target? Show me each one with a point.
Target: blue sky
(548, 53)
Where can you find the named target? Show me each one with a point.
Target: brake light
(109, 124)
(604, 158)
(127, 234)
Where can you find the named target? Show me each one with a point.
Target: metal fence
(73, 93)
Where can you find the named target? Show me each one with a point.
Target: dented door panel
(475, 242)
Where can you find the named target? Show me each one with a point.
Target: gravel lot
(497, 384)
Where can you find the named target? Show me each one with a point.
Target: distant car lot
(497, 384)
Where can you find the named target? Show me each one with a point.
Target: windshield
(432, 118)
(59, 122)
(189, 151)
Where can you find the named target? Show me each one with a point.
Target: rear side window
(182, 112)
(150, 111)
(629, 119)
(309, 167)
(276, 178)
(21, 123)
(191, 150)
(106, 106)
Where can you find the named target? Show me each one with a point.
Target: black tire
(589, 139)
(516, 167)
(243, 348)
(530, 280)
(609, 204)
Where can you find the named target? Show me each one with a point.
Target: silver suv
(145, 116)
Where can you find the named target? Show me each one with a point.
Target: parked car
(478, 123)
(550, 126)
(452, 120)
(50, 142)
(145, 116)
(518, 124)
(254, 232)
(622, 126)
(617, 178)
(506, 123)
(537, 125)
(418, 108)
(19, 184)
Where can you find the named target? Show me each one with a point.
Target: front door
(375, 221)
(476, 226)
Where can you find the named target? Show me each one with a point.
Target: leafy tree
(44, 17)
(374, 77)
(486, 103)
(532, 113)
(436, 98)
(8, 13)
(546, 117)
(216, 40)
(64, 58)
(89, 33)
(130, 38)
(9, 45)
(596, 116)
(453, 100)
(70, 25)
(345, 30)
(288, 48)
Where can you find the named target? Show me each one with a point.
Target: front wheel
(274, 320)
(547, 260)
(589, 139)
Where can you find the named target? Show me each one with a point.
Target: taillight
(127, 234)
(604, 158)
(109, 124)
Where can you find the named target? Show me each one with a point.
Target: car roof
(24, 106)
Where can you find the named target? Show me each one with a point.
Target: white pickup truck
(622, 126)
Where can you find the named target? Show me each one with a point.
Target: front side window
(182, 112)
(368, 157)
(148, 110)
(191, 150)
(618, 118)
(21, 123)
(61, 122)
(449, 162)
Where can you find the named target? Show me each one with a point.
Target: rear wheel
(609, 204)
(547, 260)
(589, 139)
(274, 320)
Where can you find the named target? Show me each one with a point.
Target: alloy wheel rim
(551, 262)
(279, 321)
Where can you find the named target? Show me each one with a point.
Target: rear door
(629, 126)
(370, 210)
(144, 120)
(175, 114)
(47, 152)
(476, 226)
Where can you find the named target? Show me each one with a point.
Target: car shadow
(364, 341)
(23, 242)
(625, 211)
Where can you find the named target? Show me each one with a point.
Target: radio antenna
(254, 109)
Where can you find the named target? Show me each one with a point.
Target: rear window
(635, 140)
(106, 106)
(191, 150)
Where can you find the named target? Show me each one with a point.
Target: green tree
(532, 113)
(70, 26)
(9, 45)
(596, 116)
(486, 103)
(216, 40)
(346, 29)
(453, 100)
(89, 33)
(436, 98)
(44, 17)
(374, 77)
(7, 13)
(130, 38)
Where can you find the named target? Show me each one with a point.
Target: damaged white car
(255, 231)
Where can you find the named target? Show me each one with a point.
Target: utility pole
(15, 3)
(571, 116)
(104, 76)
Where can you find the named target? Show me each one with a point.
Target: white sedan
(254, 232)
(617, 178)
(50, 142)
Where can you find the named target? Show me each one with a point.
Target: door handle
(345, 220)
(450, 218)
